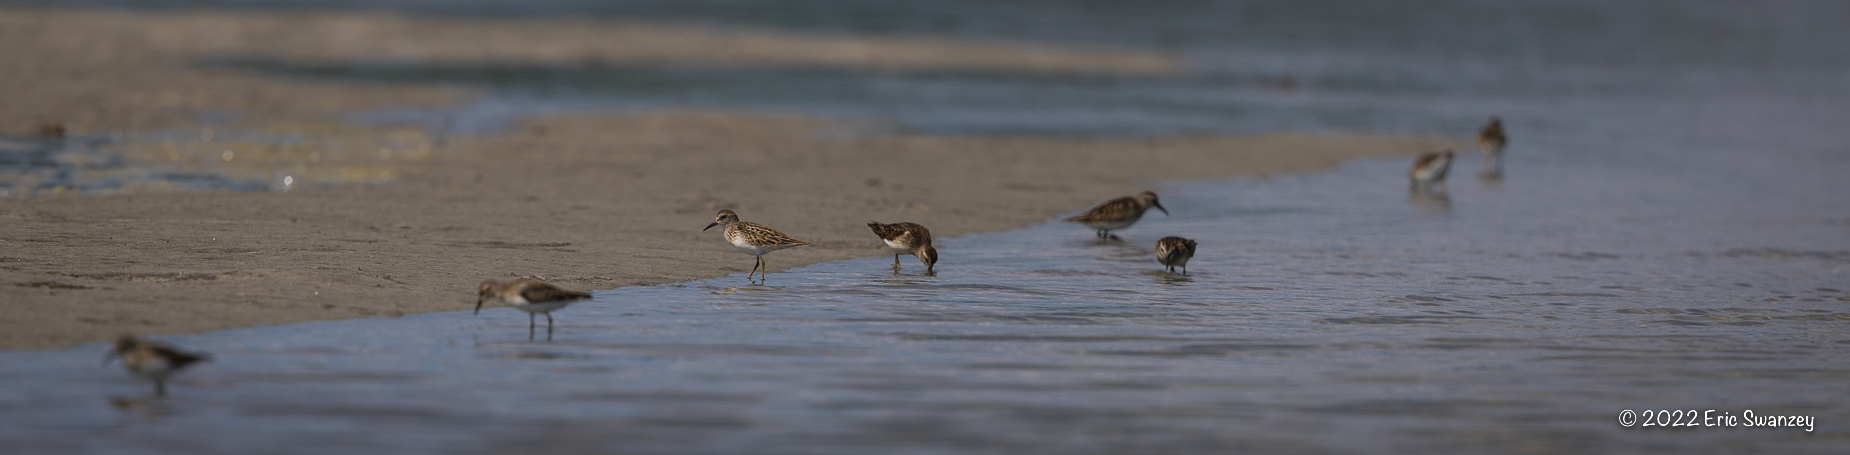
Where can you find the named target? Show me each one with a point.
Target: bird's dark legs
(548, 322)
(160, 388)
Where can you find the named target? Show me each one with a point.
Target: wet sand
(590, 201)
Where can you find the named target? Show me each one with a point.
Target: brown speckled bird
(1175, 252)
(907, 238)
(753, 238)
(152, 361)
(1491, 140)
(1429, 170)
(1118, 213)
(529, 295)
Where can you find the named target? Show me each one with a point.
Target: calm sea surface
(1672, 233)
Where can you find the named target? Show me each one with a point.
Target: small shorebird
(1118, 213)
(1491, 140)
(907, 238)
(1175, 252)
(529, 295)
(1428, 172)
(753, 238)
(50, 131)
(152, 361)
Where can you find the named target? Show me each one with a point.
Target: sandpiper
(152, 361)
(529, 295)
(1118, 213)
(1491, 140)
(907, 238)
(1175, 252)
(1428, 172)
(753, 238)
(50, 131)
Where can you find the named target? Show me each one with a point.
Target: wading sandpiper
(1118, 213)
(753, 238)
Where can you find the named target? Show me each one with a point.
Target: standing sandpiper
(753, 238)
(152, 361)
(1491, 140)
(529, 295)
(1118, 213)
(907, 238)
(1428, 172)
(1175, 252)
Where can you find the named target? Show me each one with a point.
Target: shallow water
(1672, 232)
(30, 166)
(1325, 312)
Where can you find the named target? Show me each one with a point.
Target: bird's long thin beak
(1159, 206)
(710, 226)
(478, 307)
(110, 357)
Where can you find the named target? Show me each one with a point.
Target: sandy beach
(410, 222)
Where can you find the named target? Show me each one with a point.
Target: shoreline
(596, 202)
(384, 220)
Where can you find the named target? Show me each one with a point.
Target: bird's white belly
(747, 247)
(897, 247)
(152, 369)
(540, 307)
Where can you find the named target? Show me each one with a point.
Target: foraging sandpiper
(1491, 140)
(753, 238)
(1429, 170)
(907, 238)
(152, 361)
(1175, 252)
(1118, 213)
(529, 295)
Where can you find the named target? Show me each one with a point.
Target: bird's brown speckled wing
(175, 357)
(920, 235)
(1112, 210)
(903, 233)
(1425, 160)
(537, 292)
(1171, 249)
(759, 234)
(886, 231)
(1492, 135)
